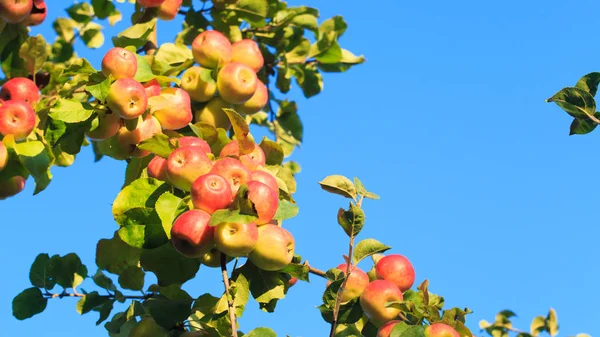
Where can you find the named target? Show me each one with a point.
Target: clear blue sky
(480, 185)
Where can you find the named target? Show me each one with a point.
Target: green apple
(236, 239)
(274, 249)
(212, 259)
(236, 83)
(108, 126)
(212, 113)
(198, 89)
(211, 49)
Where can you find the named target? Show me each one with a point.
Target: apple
(199, 90)
(168, 9)
(441, 330)
(191, 235)
(128, 140)
(212, 113)
(265, 178)
(232, 170)
(14, 11)
(246, 51)
(11, 186)
(220, 4)
(3, 156)
(185, 165)
(37, 15)
(251, 160)
(194, 141)
(396, 269)
(172, 108)
(274, 249)
(152, 88)
(355, 285)
(17, 118)
(387, 328)
(236, 239)
(236, 83)
(213, 258)
(150, 3)
(257, 102)
(211, 49)
(293, 280)
(127, 98)
(108, 126)
(120, 63)
(211, 192)
(157, 168)
(373, 300)
(265, 201)
(20, 89)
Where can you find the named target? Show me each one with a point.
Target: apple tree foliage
(298, 48)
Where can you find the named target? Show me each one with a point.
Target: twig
(315, 271)
(48, 294)
(228, 294)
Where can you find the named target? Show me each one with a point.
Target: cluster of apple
(215, 185)
(24, 12)
(18, 96)
(166, 9)
(394, 274)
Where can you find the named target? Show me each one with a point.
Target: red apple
(235, 239)
(252, 160)
(168, 9)
(194, 141)
(356, 284)
(213, 258)
(274, 249)
(387, 328)
(17, 118)
(157, 168)
(152, 88)
(199, 90)
(129, 140)
(246, 51)
(257, 102)
(211, 192)
(3, 156)
(292, 281)
(212, 113)
(38, 14)
(191, 235)
(127, 98)
(12, 186)
(14, 11)
(440, 330)
(396, 269)
(20, 89)
(232, 170)
(374, 298)
(185, 165)
(108, 126)
(265, 178)
(119, 62)
(265, 201)
(172, 108)
(236, 83)
(211, 49)
(150, 3)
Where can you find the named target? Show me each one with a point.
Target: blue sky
(481, 186)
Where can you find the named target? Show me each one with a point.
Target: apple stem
(228, 294)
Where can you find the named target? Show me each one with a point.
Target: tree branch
(338, 301)
(228, 295)
(48, 294)
(315, 271)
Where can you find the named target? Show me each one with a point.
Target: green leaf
(171, 59)
(65, 28)
(538, 325)
(286, 210)
(168, 265)
(261, 332)
(552, 323)
(582, 126)
(115, 256)
(241, 131)
(103, 281)
(368, 247)
(34, 51)
(352, 220)
(140, 196)
(299, 53)
(81, 12)
(68, 271)
(575, 101)
(338, 184)
(136, 35)
(589, 83)
(71, 111)
(143, 231)
(336, 24)
(91, 35)
(28, 303)
(241, 288)
(39, 275)
(100, 90)
(132, 278)
(169, 207)
(299, 271)
(144, 72)
(159, 144)
(273, 151)
(136, 169)
(265, 286)
(167, 312)
(309, 79)
(226, 215)
(36, 159)
(289, 120)
(90, 302)
(403, 330)
(253, 11)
